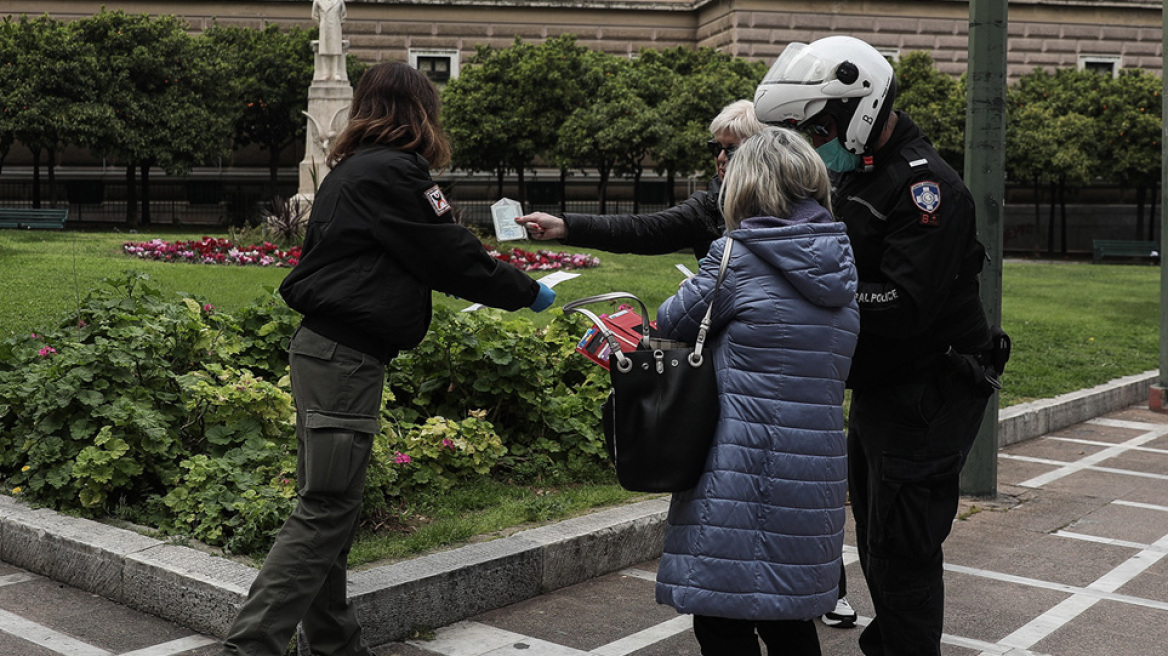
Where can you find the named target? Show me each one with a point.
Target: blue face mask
(837, 158)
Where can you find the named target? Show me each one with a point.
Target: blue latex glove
(544, 299)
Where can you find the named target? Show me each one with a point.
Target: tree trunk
(637, 191)
(602, 189)
(6, 140)
(670, 179)
(52, 163)
(522, 186)
(1063, 213)
(1050, 222)
(131, 196)
(563, 191)
(274, 169)
(499, 173)
(1037, 215)
(1140, 191)
(36, 176)
(1152, 214)
(146, 193)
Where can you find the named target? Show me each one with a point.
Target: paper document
(503, 214)
(686, 272)
(551, 280)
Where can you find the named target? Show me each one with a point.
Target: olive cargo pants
(338, 399)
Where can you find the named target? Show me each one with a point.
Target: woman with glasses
(692, 224)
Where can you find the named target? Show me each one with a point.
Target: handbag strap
(695, 358)
(613, 345)
(623, 363)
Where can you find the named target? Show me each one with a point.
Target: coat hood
(810, 249)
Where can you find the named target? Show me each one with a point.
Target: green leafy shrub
(169, 413)
(527, 381)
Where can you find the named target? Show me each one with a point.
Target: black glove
(970, 370)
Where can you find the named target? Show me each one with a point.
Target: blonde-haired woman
(754, 549)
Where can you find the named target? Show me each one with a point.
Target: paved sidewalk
(1068, 561)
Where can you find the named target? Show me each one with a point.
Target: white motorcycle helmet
(837, 75)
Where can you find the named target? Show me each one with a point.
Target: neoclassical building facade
(437, 35)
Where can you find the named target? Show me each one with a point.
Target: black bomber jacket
(380, 238)
(695, 223)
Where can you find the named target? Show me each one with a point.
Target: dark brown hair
(394, 105)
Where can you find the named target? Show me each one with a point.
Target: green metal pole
(1156, 398)
(985, 147)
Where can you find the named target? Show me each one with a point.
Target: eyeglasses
(717, 148)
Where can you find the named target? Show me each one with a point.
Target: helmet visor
(798, 64)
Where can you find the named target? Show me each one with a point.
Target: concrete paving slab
(1110, 629)
(1097, 484)
(580, 617)
(1151, 585)
(1122, 522)
(1151, 491)
(1093, 432)
(967, 597)
(1143, 460)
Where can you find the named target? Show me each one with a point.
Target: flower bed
(545, 260)
(210, 250)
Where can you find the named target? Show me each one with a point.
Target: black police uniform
(913, 416)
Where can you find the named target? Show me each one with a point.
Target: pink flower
(208, 308)
(46, 351)
(448, 443)
(401, 458)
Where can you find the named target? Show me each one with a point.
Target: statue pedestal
(328, 112)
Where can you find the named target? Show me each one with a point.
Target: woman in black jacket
(695, 223)
(379, 240)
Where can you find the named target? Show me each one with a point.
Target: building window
(438, 65)
(891, 54)
(1103, 64)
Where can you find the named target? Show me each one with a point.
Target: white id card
(503, 214)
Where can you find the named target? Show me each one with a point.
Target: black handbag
(661, 413)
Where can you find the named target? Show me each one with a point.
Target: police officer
(919, 382)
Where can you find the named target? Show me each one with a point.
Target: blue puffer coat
(760, 536)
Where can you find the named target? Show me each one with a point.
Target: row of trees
(1065, 129)
(563, 105)
(142, 92)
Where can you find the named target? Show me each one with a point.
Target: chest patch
(437, 200)
(927, 196)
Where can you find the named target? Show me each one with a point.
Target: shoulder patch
(437, 200)
(926, 195)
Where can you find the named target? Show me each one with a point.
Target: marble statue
(330, 48)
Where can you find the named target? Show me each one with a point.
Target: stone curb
(1025, 421)
(203, 592)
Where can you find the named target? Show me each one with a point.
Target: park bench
(26, 218)
(1125, 248)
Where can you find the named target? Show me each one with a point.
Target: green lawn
(1074, 325)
